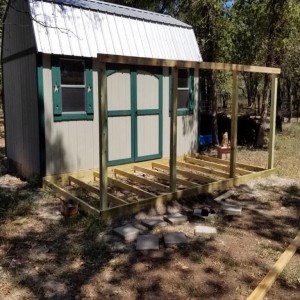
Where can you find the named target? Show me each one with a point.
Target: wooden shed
(51, 84)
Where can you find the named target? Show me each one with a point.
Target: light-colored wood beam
(272, 122)
(118, 59)
(126, 187)
(265, 285)
(195, 165)
(201, 178)
(164, 176)
(214, 165)
(63, 193)
(111, 198)
(142, 180)
(102, 81)
(234, 117)
(132, 208)
(227, 163)
(173, 129)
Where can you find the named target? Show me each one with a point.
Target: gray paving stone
(230, 209)
(147, 242)
(201, 229)
(174, 239)
(127, 232)
(176, 219)
(152, 223)
(198, 213)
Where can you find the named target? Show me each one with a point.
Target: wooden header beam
(130, 60)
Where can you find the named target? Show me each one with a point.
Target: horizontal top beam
(130, 60)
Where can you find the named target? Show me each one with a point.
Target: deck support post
(234, 117)
(173, 129)
(102, 90)
(272, 122)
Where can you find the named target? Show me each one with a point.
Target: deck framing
(139, 185)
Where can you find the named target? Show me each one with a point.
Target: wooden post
(272, 122)
(103, 134)
(173, 129)
(234, 117)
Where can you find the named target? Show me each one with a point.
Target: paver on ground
(127, 232)
(152, 223)
(230, 209)
(176, 219)
(198, 213)
(174, 239)
(201, 229)
(147, 242)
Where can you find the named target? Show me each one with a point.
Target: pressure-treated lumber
(234, 115)
(173, 129)
(111, 198)
(164, 176)
(81, 204)
(132, 208)
(103, 140)
(272, 122)
(131, 60)
(261, 290)
(126, 187)
(186, 174)
(214, 165)
(227, 163)
(142, 180)
(197, 167)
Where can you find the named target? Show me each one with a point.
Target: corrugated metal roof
(81, 31)
(120, 10)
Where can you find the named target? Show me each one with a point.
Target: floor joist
(111, 198)
(164, 176)
(215, 165)
(126, 187)
(194, 166)
(227, 163)
(63, 193)
(201, 178)
(144, 181)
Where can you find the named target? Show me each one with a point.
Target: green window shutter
(191, 90)
(56, 89)
(89, 88)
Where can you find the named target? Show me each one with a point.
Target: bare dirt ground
(45, 256)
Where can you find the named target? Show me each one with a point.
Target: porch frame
(175, 65)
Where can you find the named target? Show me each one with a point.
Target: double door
(134, 101)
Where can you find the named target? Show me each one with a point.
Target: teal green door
(134, 115)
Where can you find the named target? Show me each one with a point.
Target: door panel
(119, 141)
(148, 133)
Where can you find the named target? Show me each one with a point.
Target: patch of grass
(14, 204)
(193, 290)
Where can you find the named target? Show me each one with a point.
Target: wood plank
(164, 176)
(102, 91)
(131, 60)
(173, 129)
(111, 198)
(130, 209)
(126, 187)
(272, 122)
(62, 192)
(234, 123)
(194, 166)
(214, 165)
(227, 163)
(201, 178)
(142, 180)
(261, 290)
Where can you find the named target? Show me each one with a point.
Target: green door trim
(134, 112)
